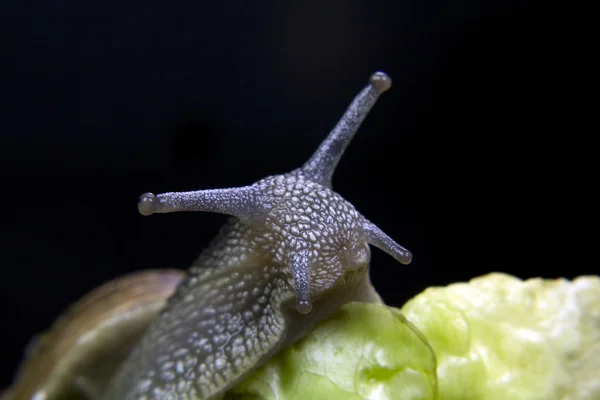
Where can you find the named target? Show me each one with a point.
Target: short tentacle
(242, 202)
(378, 238)
(321, 166)
(301, 272)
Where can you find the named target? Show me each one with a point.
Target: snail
(292, 253)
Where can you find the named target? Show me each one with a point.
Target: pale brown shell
(81, 351)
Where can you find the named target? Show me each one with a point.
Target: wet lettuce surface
(495, 337)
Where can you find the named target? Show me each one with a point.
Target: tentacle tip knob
(303, 306)
(406, 258)
(147, 204)
(380, 81)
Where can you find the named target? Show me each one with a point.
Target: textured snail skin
(294, 252)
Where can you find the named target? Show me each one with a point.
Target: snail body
(293, 252)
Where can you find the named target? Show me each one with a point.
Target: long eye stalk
(242, 202)
(321, 166)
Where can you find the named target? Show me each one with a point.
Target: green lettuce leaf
(496, 337)
(366, 351)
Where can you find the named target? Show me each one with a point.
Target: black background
(464, 161)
